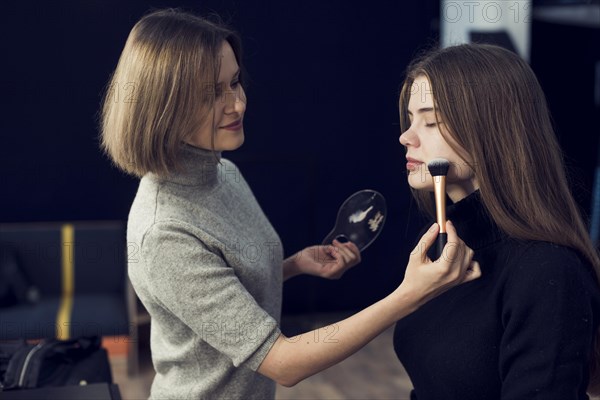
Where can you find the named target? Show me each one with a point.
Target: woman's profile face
(226, 118)
(424, 142)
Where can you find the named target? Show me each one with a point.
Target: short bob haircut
(162, 89)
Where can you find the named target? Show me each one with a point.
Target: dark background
(321, 121)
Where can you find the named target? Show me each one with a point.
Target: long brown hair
(162, 89)
(494, 108)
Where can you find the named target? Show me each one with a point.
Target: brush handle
(437, 248)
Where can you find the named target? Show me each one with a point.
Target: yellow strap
(63, 318)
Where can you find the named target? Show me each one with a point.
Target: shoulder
(226, 165)
(544, 266)
(536, 257)
(169, 226)
(232, 180)
(228, 162)
(172, 243)
(154, 206)
(548, 313)
(164, 233)
(230, 173)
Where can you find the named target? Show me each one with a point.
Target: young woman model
(527, 328)
(208, 265)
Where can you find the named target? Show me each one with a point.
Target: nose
(408, 138)
(235, 101)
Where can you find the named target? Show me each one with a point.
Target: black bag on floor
(15, 285)
(53, 362)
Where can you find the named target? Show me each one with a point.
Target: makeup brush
(438, 168)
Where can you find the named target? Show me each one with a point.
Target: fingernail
(449, 222)
(433, 227)
(342, 239)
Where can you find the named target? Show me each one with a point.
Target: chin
(423, 188)
(416, 182)
(419, 178)
(232, 143)
(240, 140)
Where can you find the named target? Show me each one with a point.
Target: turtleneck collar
(198, 167)
(473, 223)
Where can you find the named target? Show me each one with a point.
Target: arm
(548, 317)
(329, 262)
(291, 360)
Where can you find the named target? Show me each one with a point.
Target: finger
(473, 272)
(346, 254)
(333, 252)
(356, 257)
(451, 231)
(353, 248)
(350, 254)
(343, 254)
(426, 241)
(465, 263)
(454, 250)
(339, 247)
(469, 253)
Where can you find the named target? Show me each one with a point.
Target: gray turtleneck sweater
(206, 263)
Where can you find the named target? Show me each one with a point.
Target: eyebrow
(421, 110)
(219, 85)
(235, 75)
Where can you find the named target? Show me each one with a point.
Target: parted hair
(493, 106)
(162, 89)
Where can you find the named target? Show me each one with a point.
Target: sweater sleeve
(197, 286)
(547, 315)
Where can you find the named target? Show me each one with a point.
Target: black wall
(321, 121)
(565, 57)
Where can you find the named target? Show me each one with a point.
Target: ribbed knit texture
(206, 263)
(523, 330)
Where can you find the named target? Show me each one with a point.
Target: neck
(473, 223)
(197, 166)
(458, 192)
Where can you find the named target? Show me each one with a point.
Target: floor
(372, 373)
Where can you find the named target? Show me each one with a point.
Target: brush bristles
(438, 167)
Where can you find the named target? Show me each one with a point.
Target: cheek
(242, 96)
(218, 113)
(460, 170)
(434, 144)
(206, 132)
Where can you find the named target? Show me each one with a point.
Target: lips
(235, 125)
(412, 163)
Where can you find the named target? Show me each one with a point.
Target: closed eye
(235, 82)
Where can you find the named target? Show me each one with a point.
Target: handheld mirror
(360, 219)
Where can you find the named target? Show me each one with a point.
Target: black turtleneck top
(524, 330)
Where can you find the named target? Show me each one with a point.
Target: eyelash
(431, 125)
(233, 85)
